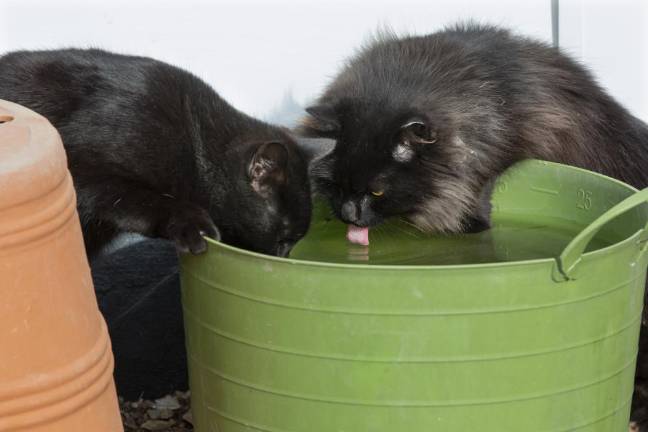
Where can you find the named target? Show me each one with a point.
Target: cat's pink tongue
(358, 235)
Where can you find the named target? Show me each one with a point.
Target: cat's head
(267, 205)
(394, 160)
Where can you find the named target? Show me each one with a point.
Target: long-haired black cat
(154, 150)
(423, 125)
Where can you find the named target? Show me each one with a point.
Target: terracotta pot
(55, 358)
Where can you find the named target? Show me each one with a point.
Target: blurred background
(271, 58)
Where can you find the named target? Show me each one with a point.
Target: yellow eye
(377, 193)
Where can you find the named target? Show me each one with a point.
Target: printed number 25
(584, 199)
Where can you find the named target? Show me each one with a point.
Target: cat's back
(60, 83)
(67, 72)
(88, 66)
(453, 49)
(481, 60)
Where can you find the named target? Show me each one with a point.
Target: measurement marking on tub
(584, 199)
(543, 190)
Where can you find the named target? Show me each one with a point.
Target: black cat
(423, 125)
(154, 150)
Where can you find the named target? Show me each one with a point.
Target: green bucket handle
(573, 252)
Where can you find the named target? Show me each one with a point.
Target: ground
(169, 414)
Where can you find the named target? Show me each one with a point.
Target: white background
(271, 58)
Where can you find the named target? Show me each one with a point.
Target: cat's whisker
(404, 231)
(406, 222)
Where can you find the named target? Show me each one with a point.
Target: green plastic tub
(531, 326)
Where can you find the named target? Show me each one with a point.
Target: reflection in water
(398, 243)
(358, 253)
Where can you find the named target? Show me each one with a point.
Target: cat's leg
(129, 207)
(479, 220)
(96, 235)
(186, 224)
(475, 224)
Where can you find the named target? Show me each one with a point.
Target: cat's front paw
(187, 226)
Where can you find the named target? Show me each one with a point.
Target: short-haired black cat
(423, 125)
(154, 150)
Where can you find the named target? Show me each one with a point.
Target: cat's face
(268, 208)
(391, 162)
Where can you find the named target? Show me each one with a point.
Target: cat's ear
(268, 167)
(322, 120)
(417, 130)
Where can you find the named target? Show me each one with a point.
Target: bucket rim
(400, 267)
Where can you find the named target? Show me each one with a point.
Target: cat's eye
(377, 193)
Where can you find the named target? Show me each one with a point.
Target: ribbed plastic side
(279, 345)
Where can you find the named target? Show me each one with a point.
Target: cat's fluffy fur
(154, 150)
(423, 125)
(482, 99)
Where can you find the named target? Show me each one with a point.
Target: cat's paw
(187, 226)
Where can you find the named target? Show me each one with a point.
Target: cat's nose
(349, 212)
